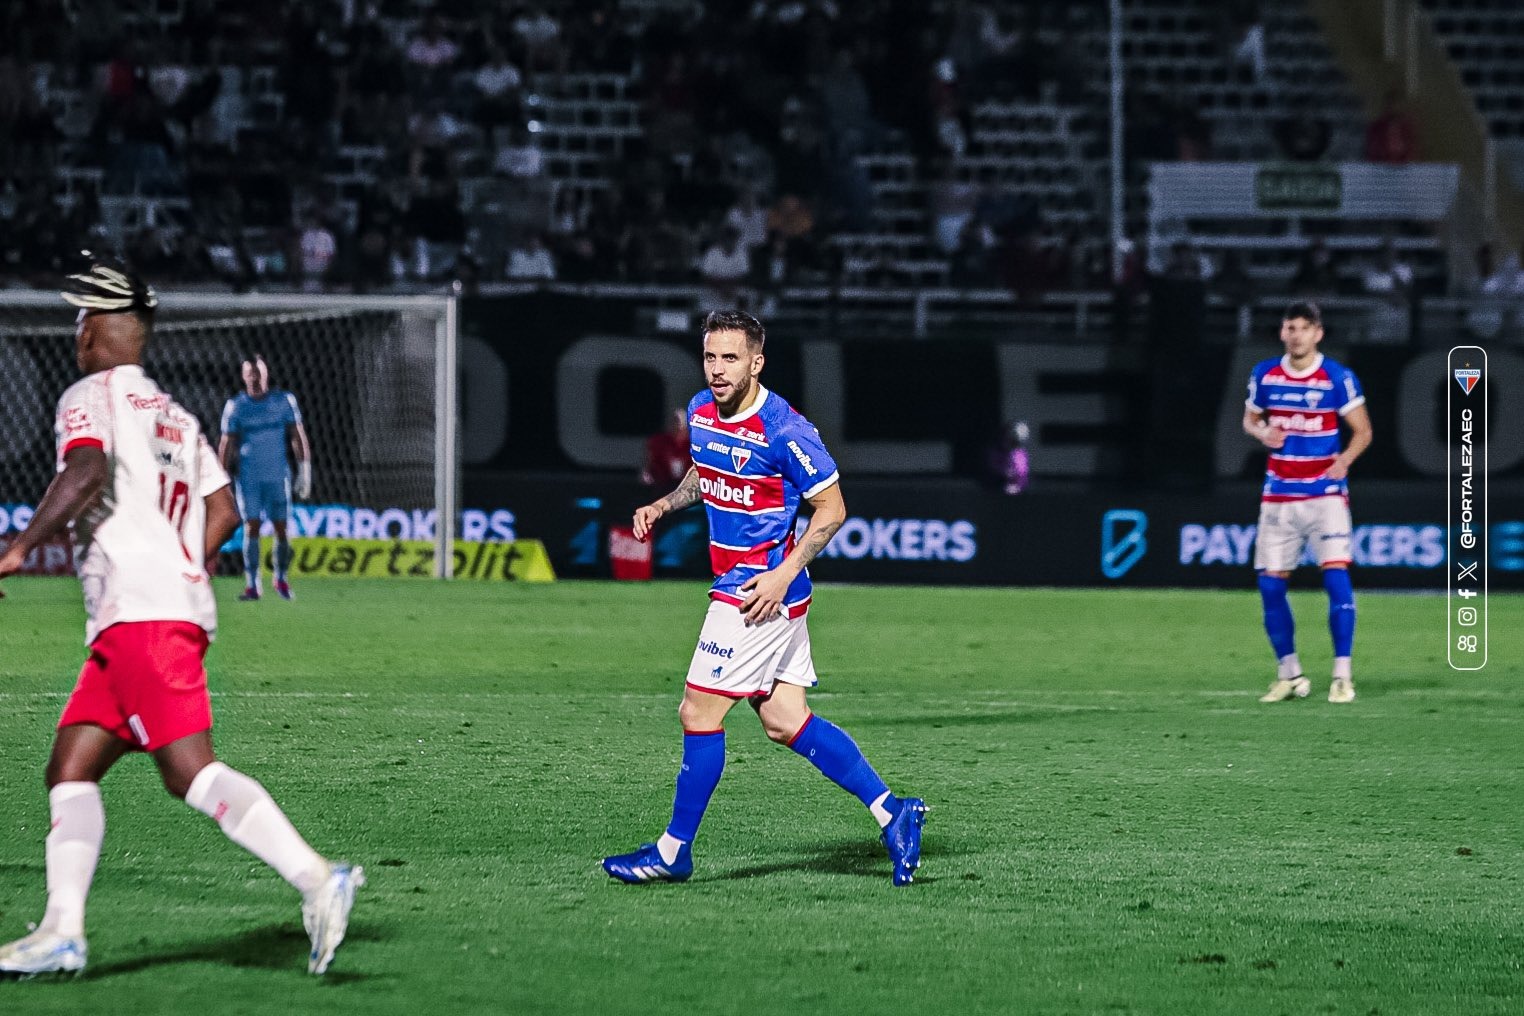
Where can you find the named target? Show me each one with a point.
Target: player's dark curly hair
(1306, 310)
(736, 321)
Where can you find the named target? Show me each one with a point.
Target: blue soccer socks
(832, 750)
(1341, 610)
(251, 560)
(703, 762)
(1279, 624)
(282, 559)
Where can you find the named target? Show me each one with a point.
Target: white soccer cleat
(43, 952)
(1287, 687)
(325, 914)
(1342, 690)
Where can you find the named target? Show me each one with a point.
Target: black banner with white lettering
(948, 531)
(552, 382)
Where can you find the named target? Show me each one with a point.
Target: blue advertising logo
(1123, 540)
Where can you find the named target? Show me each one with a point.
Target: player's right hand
(1272, 437)
(10, 563)
(645, 520)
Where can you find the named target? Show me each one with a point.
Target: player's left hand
(766, 600)
(1337, 470)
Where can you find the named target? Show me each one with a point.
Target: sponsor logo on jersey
(715, 673)
(1313, 398)
(752, 435)
(165, 432)
(804, 460)
(725, 492)
(715, 446)
(155, 402)
(1467, 377)
(740, 456)
(76, 419)
(715, 649)
(1302, 422)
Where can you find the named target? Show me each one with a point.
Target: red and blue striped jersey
(1307, 406)
(754, 470)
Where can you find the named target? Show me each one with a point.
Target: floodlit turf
(1117, 826)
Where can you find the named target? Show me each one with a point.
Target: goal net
(374, 377)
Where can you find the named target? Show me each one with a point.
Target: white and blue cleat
(325, 914)
(647, 865)
(902, 838)
(43, 952)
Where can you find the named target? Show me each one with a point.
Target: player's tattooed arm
(830, 513)
(686, 494)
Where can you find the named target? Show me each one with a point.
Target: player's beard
(734, 396)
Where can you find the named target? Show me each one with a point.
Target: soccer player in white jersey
(756, 461)
(1295, 404)
(149, 505)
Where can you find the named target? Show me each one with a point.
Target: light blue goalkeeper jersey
(259, 428)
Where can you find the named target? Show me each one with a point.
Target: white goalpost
(375, 376)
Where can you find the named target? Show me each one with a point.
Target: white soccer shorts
(737, 661)
(1288, 528)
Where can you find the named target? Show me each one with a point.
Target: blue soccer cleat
(902, 837)
(646, 865)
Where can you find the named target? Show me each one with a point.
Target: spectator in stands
(1501, 279)
(1393, 136)
(1316, 275)
(540, 35)
(316, 251)
(1187, 263)
(949, 117)
(749, 219)
(1389, 274)
(530, 260)
(1303, 135)
(952, 202)
(520, 157)
(791, 219)
(847, 107)
(969, 265)
(1391, 280)
(497, 83)
(725, 263)
(667, 456)
(431, 50)
(1010, 466)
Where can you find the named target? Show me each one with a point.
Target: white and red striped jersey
(1307, 406)
(139, 546)
(754, 470)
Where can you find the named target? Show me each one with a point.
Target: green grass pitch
(1117, 826)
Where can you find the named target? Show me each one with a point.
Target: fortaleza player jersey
(1307, 406)
(753, 471)
(139, 547)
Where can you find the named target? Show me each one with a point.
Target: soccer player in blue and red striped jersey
(1295, 404)
(756, 462)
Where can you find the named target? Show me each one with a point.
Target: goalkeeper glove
(304, 480)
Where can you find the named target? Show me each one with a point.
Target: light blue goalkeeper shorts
(268, 500)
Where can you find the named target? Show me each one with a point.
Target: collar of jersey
(135, 368)
(1286, 366)
(756, 407)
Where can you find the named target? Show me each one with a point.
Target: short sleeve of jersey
(803, 459)
(213, 476)
(230, 417)
(294, 415)
(84, 418)
(1347, 391)
(1255, 400)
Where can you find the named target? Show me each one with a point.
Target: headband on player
(110, 288)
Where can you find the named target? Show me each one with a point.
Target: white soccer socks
(251, 818)
(73, 847)
(1289, 668)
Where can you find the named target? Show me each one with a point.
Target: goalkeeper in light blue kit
(262, 436)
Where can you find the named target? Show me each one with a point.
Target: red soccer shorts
(145, 683)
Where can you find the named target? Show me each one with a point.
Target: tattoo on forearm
(815, 540)
(687, 493)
